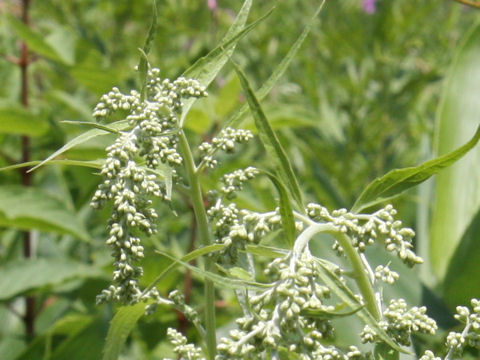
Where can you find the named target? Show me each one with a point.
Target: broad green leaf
(72, 102)
(220, 281)
(461, 280)
(286, 211)
(21, 276)
(35, 42)
(95, 164)
(85, 344)
(206, 68)
(333, 282)
(270, 141)
(278, 72)
(80, 139)
(29, 208)
(396, 181)
(457, 195)
(121, 326)
(227, 97)
(18, 120)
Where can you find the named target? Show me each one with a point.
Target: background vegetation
(366, 93)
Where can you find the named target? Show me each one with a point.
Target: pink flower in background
(369, 6)
(212, 4)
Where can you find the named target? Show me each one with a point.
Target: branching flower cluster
(153, 123)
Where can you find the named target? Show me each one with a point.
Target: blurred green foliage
(359, 99)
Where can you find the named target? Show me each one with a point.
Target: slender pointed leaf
(270, 141)
(286, 211)
(80, 139)
(95, 164)
(143, 64)
(206, 68)
(92, 124)
(277, 72)
(220, 281)
(399, 180)
(121, 326)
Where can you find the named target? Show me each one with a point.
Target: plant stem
(204, 233)
(360, 275)
(29, 317)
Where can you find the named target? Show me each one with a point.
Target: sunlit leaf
(17, 120)
(29, 208)
(457, 199)
(270, 142)
(396, 181)
(21, 276)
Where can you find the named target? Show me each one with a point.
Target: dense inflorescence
(184, 350)
(366, 229)
(280, 318)
(153, 121)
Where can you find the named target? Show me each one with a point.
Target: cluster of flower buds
(225, 141)
(235, 228)
(153, 121)
(400, 322)
(470, 335)
(385, 274)
(366, 229)
(182, 348)
(234, 181)
(286, 315)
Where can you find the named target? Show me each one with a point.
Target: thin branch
(469, 3)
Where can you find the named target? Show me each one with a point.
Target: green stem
(203, 231)
(360, 275)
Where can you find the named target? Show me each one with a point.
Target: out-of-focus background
(377, 85)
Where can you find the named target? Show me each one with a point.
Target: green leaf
(21, 276)
(29, 208)
(286, 211)
(121, 325)
(457, 199)
(18, 120)
(270, 141)
(384, 352)
(95, 164)
(206, 68)
(143, 63)
(461, 280)
(266, 251)
(334, 283)
(80, 139)
(220, 281)
(35, 42)
(92, 124)
(190, 256)
(396, 181)
(278, 72)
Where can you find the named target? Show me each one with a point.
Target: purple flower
(369, 6)
(212, 4)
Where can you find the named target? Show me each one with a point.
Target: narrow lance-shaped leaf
(143, 64)
(277, 72)
(399, 180)
(206, 68)
(121, 326)
(220, 281)
(80, 139)
(95, 164)
(270, 141)
(286, 211)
